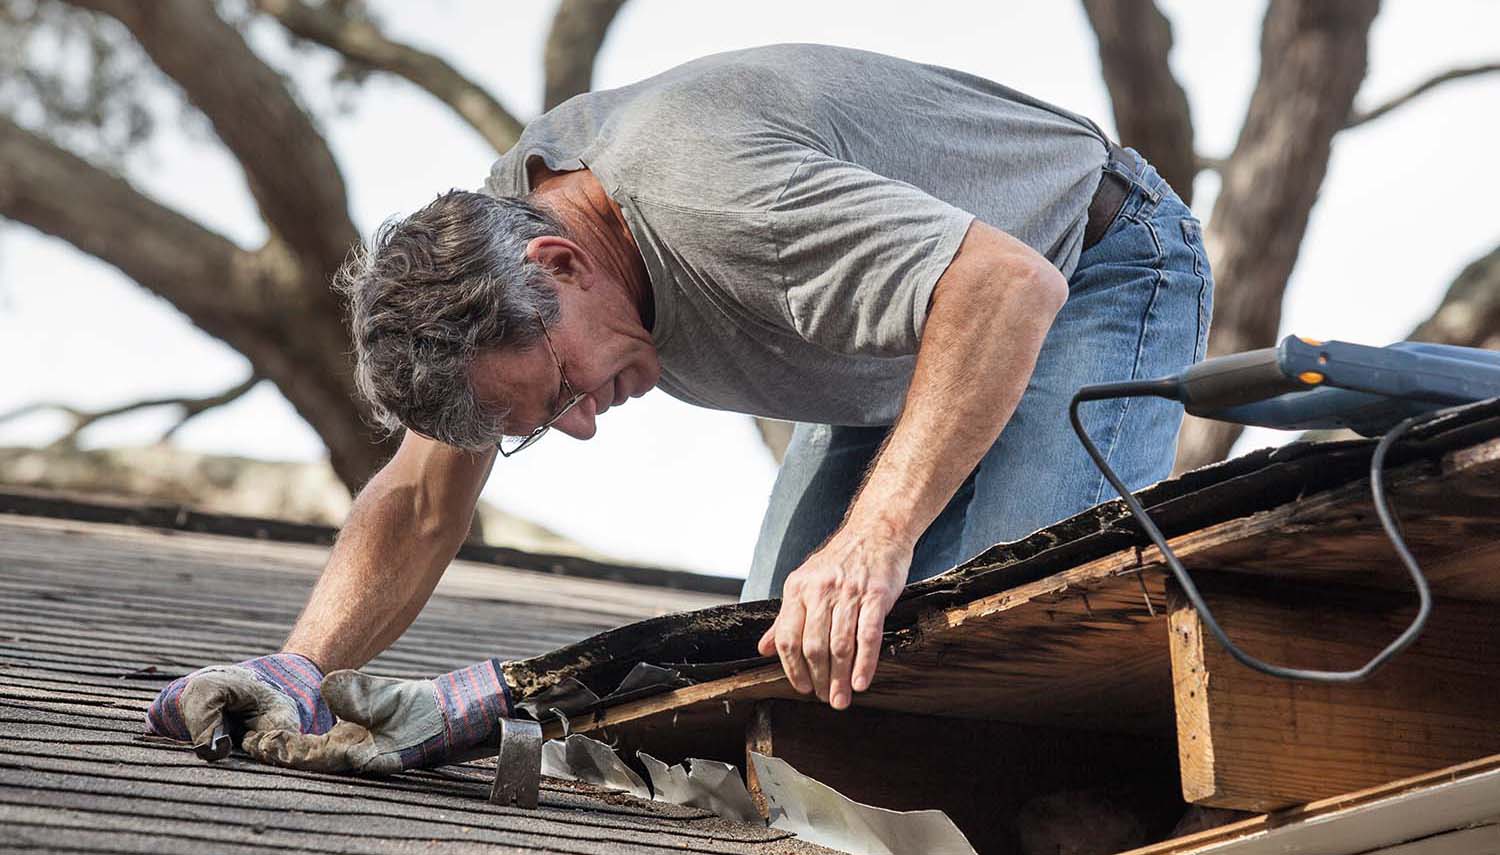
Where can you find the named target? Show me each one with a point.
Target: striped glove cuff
(471, 701)
(295, 676)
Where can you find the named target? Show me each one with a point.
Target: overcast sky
(1409, 200)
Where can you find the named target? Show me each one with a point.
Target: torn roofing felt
(715, 642)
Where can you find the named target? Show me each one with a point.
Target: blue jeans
(1138, 307)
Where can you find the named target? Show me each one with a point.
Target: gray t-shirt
(795, 205)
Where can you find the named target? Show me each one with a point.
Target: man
(916, 265)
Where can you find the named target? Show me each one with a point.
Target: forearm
(376, 581)
(404, 529)
(984, 330)
(986, 321)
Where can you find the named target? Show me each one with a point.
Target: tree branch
(1469, 314)
(165, 252)
(578, 30)
(363, 42)
(263, 304)
(1357, 118)
(290, 170)
(83, 419)
(1313, 56)
(1150, 106)
(194, 407)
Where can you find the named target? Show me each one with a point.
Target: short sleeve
(859, 255)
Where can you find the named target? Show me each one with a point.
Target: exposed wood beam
(755, 684)
(1248, 741)
(759, 739)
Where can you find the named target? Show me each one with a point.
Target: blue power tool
(1302, 384)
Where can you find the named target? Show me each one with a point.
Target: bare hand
(833, 611)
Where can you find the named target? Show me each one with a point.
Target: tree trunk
(578, 30)
(1150, 106)
(1313, 58)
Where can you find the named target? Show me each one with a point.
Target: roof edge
(29, 502)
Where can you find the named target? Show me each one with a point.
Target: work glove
(276, 692)
(387, 725)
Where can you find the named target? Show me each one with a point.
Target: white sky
(1408, 202)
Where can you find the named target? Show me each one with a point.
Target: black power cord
(1167, 388)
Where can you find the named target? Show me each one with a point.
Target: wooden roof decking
(1047, 628)
(95, 619)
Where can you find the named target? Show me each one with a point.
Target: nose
(579, 422)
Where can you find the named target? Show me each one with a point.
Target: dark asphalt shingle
(95, 619)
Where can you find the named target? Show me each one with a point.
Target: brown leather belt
(1109, 198)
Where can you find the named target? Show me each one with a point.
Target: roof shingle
(95, 619)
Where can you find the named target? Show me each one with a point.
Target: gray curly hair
(429, 294)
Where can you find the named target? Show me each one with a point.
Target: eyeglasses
(509, 445)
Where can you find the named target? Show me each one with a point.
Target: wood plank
(1249, 741)
(1357, 822)
(1049, 653)
(995, 781)
(763, 682)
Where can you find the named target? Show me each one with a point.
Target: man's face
(606, 355)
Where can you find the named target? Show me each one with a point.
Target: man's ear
(565, 259)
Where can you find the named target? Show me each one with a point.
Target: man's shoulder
(763, 81)
(769, 79)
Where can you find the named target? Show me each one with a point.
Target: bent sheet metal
(820, 814)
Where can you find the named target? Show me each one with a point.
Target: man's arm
(402, 532)
(989, 314)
